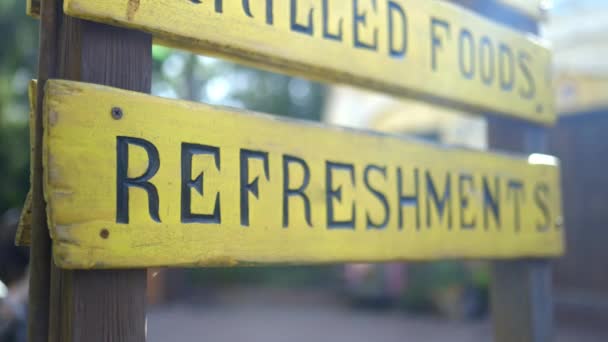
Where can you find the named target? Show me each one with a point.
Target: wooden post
(85, 305)
(40, 251)
(521, 291)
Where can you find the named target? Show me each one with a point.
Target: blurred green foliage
(187, 76)
(298, 277)
(18, 56)
(176, 74)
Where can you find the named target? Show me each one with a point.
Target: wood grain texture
(428, 49)
(40, 252)
(99, 305)
(521, 293)
(522, 301)
(23, 236)
(346, 219)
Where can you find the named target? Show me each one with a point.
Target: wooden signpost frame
(521, 291)
(84, 305)
(110, 305)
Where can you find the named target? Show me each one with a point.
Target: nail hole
(104, 233)
(117, 113)
(539, 108)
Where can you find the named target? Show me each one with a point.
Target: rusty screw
(117, 113)
(104, 233)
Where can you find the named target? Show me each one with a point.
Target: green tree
(17, 64)
(176, 74)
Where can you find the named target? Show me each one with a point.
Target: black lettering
(336, 194)
(123, 182)
(269, 14)
(253, 186)
(396, 51)
(219, 6)
(189, 151)
(408, 201)
(530, 90)
(379, 195)
(436, 40)
(541, 194)
(439, 203)
(486, 60)
(491, 202)
(516, 191)
(299, 191)
(506, 64)
(466, 36)
(326, 33)
(246, 8)
(464, 196)
(360, 19)
(295, 26)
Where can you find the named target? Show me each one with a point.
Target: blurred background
(387, 302)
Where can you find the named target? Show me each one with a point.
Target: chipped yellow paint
(32, 8)
(24, 229)
(236, 167)
(427, 49)
(23, 236)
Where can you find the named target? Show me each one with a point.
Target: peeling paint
(132, 8)
(53, 118)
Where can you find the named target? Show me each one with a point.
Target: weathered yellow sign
(133, 180)
(427, 49)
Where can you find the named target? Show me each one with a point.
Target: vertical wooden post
(86, 305)
(521, 291)
(40, 250)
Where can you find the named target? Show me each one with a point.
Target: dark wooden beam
(521, 291)
(84, 305)
(40, 251)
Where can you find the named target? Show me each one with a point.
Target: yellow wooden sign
(428, 49)
(32, 8)
(133, 180)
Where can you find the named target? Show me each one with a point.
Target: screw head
(117, 113)
(104, 233)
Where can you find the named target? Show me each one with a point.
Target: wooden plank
(581, 93)
(23, 235)
(99, 305)
(40, 252)
(522, 301)
(521, 290)
(428, 49)
(32, 8)
(220, 187)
